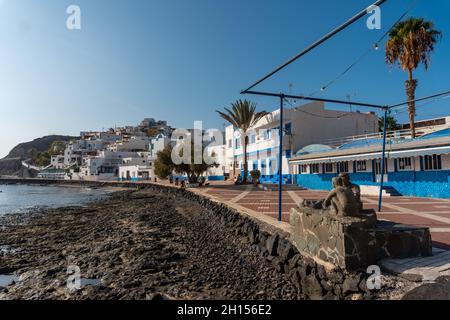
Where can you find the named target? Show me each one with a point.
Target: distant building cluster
(125, 153)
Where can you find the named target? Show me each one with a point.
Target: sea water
(20, 198)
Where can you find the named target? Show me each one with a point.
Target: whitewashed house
(302, 126)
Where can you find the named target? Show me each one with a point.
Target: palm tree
(411, 42)
(243, 116)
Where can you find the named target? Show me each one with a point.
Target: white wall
(306, 127)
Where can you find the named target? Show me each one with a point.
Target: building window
(361, 166)
(315, 168)
(433, 162)
(303, 168)
(252, 139)
(237, 143)
(328, 168)
(343, 167)
(267, 135)
(404, 164)
(230, 143)
(288, 129)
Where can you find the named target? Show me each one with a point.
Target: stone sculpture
(353, 187)
(342, 200)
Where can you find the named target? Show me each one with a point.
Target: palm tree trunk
(244, 178)
(411, 85)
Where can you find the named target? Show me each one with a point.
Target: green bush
(255, 174)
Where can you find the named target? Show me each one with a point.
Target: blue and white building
(414, 167)
(302, 126)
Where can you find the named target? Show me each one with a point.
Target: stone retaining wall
(313, 279)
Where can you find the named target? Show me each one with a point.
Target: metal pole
(280, 162)
(298, 97)
(383, 157)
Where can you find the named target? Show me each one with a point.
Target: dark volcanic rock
(140, 245)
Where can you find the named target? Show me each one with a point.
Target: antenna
(349, 98)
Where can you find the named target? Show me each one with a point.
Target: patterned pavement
(432, 213)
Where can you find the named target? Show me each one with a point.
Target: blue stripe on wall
(432, 184)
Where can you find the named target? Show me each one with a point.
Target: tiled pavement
(432, 213)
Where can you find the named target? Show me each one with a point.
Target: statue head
(345, 179)
(337, 182)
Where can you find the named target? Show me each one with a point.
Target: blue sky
(180, 60)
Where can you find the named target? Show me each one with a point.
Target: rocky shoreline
(134, 245)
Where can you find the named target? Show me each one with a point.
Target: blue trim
(258, 151)
(216, 178)
(430, 184)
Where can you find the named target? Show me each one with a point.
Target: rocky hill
(11, 164)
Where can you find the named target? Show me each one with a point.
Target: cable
(360, 58)
(395, 110)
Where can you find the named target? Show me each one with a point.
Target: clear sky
(179, 60)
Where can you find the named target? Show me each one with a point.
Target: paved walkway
(432, 213)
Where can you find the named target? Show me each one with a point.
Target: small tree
(164, 165)
(392, 124)
(57, 148)
(256, 175)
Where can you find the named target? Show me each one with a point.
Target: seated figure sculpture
(353, 187)
(341, 200)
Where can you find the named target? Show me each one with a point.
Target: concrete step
(375, 191)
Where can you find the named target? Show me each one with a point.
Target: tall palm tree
(411, 42)
(243, 116)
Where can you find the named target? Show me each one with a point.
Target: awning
(377, 155)
(353, 157)
(419, 152)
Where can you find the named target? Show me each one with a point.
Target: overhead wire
(362, 56)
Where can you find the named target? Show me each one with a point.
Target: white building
(104, 166)
(158, 144)
(220, 172)
(131, 172)
(57, 162)
(134, 144)
(303, 126)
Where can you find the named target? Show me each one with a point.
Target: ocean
(20, 198)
